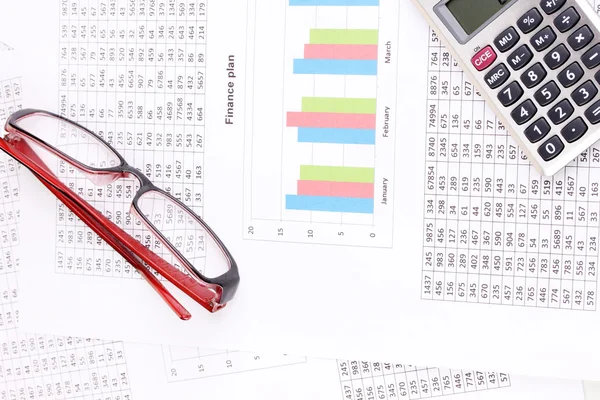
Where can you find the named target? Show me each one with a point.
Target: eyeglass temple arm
(188, 285)
(133, 259)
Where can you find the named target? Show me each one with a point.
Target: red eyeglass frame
(211, 293)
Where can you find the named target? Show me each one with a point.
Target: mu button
(507, 39)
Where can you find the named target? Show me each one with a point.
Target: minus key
(591, 58)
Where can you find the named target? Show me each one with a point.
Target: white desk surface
(592, 390)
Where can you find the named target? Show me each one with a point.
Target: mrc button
(497, 76)
(484, 58)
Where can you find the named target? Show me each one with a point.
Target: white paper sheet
(352, 286)
(38, 365)
(187, 373)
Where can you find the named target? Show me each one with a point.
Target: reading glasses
(188, 253)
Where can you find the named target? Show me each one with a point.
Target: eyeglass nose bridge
(105, 176)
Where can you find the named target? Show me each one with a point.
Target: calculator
(536, 64)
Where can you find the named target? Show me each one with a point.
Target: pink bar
(330, 120)
(336, 189)
(341, 51)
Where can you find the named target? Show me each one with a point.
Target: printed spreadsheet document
(43, 366)
(376, 208)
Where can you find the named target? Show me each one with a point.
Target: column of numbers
(134, 73)
(495, 231)
(40, 367)
(364, 380)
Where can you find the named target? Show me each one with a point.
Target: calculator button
(591, 58)
(520, 57)
(533, 76)
(560, 112)
(547, 94)
(538, 130)
(543, 39)
(597, 77)
(506, 40)
(574, 130)
(524, 112)
(567, 19)
(593, 113)
(570, 75)
(510, 94)
(551, 6)
(557, 56)
(497, 76)
(580, 38)
(530, 20)
(584, 93)
(551, 148)
(484, 58)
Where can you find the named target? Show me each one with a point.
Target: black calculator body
(537, 65)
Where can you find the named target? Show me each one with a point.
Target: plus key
(552, 6)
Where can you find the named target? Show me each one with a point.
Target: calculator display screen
(471, 14)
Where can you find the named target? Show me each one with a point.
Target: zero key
(551, 148)
(484, 58)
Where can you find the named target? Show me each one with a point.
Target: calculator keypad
(570, 75)
(551, 148)
(560, 112)
(557, 56)
(497, 76)
(530, 21)
(533, 76)
(545, 95)
(584, 93)
(593, 113)
(551, 6)
(580, 38)
(591, 58)
(524, 112)
(507, 40)
(543, 39)
(538, 130)
(510, 94)
(520, 57)
(574, 130)
(567, 19)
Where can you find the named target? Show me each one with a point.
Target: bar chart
(319, 167)
(334, 189)
(339, 52)
(335, 120)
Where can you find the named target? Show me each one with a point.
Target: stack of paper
(378, 212)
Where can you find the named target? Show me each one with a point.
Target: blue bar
(331, 204)
(335, 67)
(334, 2)
(336, 135)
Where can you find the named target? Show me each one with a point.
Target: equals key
(591, 58)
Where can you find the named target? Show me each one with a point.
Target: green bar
(343, 36)
(337, 174)
(339, 105)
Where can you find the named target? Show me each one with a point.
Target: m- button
(484, 58)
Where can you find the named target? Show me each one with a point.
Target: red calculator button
(484, 58)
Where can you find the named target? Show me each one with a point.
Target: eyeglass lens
(176, 225)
